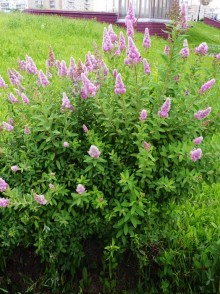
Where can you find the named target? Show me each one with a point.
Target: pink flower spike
(201, 114)
(143, 115)
(133, 55)
(146, 40)
(106, 43)
(119, 85)
(62, 70)
(3, 185)
(51, 186)
(14, 168)
(166, 50)
(8, 127)
(2, 83)
(30, 66)
(89, 87)
(130, 15)
(183, 16)
(130, 29)
(184, 52)
(122, 44)
(4, 202)
(112, 35)
(66, 144)
(80, 189)
(115, 73)
(196, 154)
(207, 86)
(85, 129)
(42, 79)
(164, 111)
(12, 99)
(24, 98)
(40, 199)
(94, 152)
(202, 49)
(66, 103)
(147, 146)
(27, 130)
(198, 140)
(146, 67)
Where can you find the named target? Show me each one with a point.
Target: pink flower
(112, 34)
(30, 66)
(27, 130)
(4, 202)
(51, 186)
(8, 127)
(52, 174)
(201, 114)
(196, 154)
(164, 111)
(104, 68)
(83, 94)
(147, 146)
(117, 52)
(25, 99)
(183, 16)
(12, 99)
(146, 67)
(106, 43)
(184, 52)
(94, 152)
(202, 49)
(198, 140)
(2, 83)
(130, 15)
(40, 199)
(51, 58)
(143, 115)
(119, 85)
(130, 29)
(66, 144)
(133, 55)
(115, 73)
(85, 129)
(72, 69)
(122, 44)
(3, 185)
(89, 87)
(42, 79)
(207, 86)
(21, 65)
(14, 168)
(217, 56)
(80, 189)
(166, 50)
(14, 77)
(146, 40)
(66, 103)
(88, 62)
(62, 70)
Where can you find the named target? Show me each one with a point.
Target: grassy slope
(32, 35)
(203, 33)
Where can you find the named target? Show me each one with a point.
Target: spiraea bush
(90, 152)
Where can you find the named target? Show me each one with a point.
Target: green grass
(201, 32)
(29, 34)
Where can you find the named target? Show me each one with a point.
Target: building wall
(84, 5)
(146, 8)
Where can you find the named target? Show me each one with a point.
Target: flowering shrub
(88, 150)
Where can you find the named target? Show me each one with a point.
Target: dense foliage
(100, 156)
